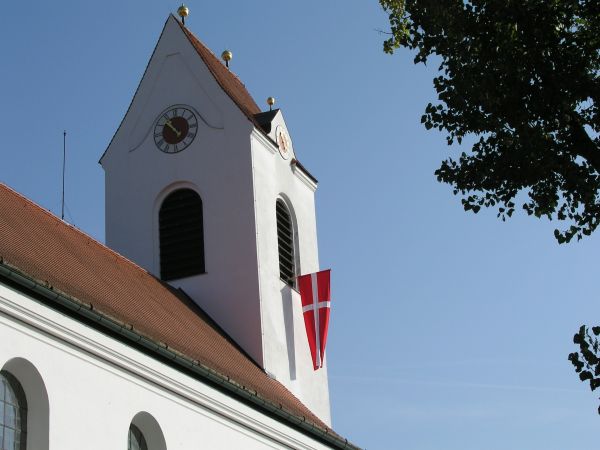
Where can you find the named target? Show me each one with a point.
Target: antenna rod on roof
(62, 214)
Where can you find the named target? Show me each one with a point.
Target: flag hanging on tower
(316, 301)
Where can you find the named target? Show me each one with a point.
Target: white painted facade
(239, 173)
(84, 389)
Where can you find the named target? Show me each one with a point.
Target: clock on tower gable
(273, 124)
(196, 172)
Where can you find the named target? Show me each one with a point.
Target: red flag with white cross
(316, 302)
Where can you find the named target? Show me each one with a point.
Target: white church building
(186, 330)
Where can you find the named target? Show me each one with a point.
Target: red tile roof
(54, 253)
(228, 81)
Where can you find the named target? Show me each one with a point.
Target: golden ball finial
(226, 55)
(183, 11)
(271, 101)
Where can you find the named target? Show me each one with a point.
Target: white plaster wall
(217, 165)
(96, 386)
(285, 345)
(239, 175)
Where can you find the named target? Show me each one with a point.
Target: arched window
(13, 413)
(135, 439)
(285, 238)
(145, 433)
(181, 235)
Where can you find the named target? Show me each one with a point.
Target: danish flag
(316, 303)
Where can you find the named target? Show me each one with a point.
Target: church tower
(205, 192)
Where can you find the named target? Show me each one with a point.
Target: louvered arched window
(181, 235)
(13, 420)
(285, 238)
(136, 439)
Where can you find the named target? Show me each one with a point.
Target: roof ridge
(247, 104)
(73, 227)
(211, 52)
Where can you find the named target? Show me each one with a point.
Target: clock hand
(175, 130)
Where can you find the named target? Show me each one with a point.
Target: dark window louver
(181, 235)
(285, 238)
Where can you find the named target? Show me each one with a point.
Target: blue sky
(449, 330)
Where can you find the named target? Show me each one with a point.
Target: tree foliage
(521, 78)
(587, 360)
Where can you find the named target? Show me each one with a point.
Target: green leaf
(523, 91)
(585, 375)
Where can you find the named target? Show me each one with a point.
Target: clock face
(283, 142)
(175, 129)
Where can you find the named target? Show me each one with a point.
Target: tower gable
(178, 58)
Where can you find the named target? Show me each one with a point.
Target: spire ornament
(227, 56)
(183, 11)
(271, 102)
